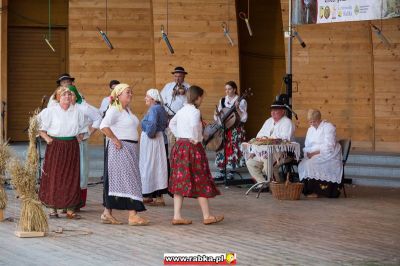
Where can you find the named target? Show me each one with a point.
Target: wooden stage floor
(363, 229)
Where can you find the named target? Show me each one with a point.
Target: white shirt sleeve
(196, 126)
(44, 120)
(104, 104)
(287, 130)
(329, 139)
(81, 122)
(173, 125)
(243, 109)
(110, 118)
(93, 114)
(307, 142)
(263, 131)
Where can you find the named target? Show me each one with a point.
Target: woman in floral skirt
(190, 173)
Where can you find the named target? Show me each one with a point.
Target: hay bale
(4, 158)
(33, 218)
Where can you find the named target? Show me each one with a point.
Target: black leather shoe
(263, 190)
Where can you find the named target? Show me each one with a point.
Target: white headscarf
(155, 94)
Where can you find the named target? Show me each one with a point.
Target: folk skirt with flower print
(231, 150)
(190, 173)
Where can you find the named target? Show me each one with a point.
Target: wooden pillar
(3, 66)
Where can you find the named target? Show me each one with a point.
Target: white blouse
(321, 139)
(283, 129)
(327, 165)
(92, 116)
(187, 123)
(58, 122)
(231, 102)
(123, 124)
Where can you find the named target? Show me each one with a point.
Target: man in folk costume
(174, 93)
(278, 126)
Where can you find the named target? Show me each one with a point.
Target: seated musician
(321, 169)
(231, 154)
(278, 126)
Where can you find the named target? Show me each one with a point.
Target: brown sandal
(105, 219)
(213, 219)
(137, 220)
(73, 216)
(181, 221)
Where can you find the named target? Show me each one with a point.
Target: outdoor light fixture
(226, 33)
(105, 38)
(49, 44)
(104, 34)
(246, 18)
(380, 36)
(298, 37)
(165, 38)
(47, 37)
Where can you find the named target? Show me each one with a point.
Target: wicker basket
(287, 190)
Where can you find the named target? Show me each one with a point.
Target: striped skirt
(122, 184)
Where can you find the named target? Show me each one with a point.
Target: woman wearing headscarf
(92, 119)
(321, 169)
(61, 126)
(153, 158)
(122, 183)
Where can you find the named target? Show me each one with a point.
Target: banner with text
(329, 11)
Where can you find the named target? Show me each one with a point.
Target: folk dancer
(122, 182)
(190, 172)
(61, 126)
(153, 158)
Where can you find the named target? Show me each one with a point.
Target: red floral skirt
(190, 173)
(60, 184)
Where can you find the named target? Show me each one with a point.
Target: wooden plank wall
(344, 71)
(32, 72)
(130, 30)
(32, 67)
(262, 59)
(194, 29)
(387, 87)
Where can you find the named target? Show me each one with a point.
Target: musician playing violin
(231, 154)
(174, 93)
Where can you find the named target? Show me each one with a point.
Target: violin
(227, 118)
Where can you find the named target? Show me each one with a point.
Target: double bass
(227, 118)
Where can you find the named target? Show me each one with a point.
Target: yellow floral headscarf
(115, 93)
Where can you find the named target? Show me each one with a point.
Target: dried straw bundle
(33, 218)
(4, 157)
(3, 195)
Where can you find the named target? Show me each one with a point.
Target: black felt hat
(179, 69)
(64, 76)
(278, 105)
